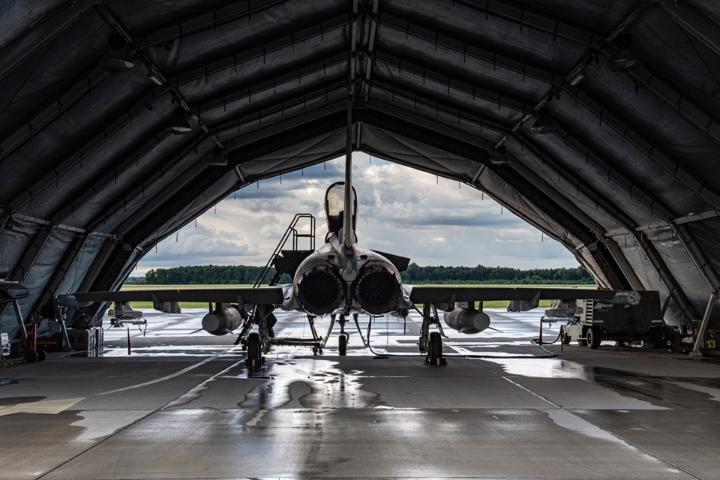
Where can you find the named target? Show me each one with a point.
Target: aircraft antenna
(348, 234)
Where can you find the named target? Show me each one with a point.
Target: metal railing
(290, 232)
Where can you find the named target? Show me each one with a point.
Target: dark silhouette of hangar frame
(595, 121)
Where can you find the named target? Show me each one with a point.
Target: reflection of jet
(342, 279)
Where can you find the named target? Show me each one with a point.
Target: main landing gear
(344, 336)
(256, 344)
(254, 352)
(431, 343)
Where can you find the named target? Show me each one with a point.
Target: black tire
(342, 344)
(254, 353)
(564, 337)
(593, 337)
(31, 357)
(41, 355)
(435, 353)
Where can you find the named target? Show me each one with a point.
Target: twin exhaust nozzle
(322, 291)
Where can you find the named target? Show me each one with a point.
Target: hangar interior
(594, 121)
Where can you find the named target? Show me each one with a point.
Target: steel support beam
(700, 338)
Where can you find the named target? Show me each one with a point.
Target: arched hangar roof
(596, 121)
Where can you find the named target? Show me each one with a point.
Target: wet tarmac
(183, 406)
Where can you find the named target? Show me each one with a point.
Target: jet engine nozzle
(378, 289)
(223, 320)
(320, 290)
(467, 320)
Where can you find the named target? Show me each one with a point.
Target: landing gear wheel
(564, 337)
(254, 352)
(593, 337)
(342, 344)
(435, 356)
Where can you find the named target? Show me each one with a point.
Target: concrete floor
(183, 406)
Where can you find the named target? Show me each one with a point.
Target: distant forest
(243, 274)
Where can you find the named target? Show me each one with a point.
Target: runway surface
(183, 406)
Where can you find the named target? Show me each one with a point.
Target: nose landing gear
(343, 338)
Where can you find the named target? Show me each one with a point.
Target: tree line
(482, 274)
(247, 274)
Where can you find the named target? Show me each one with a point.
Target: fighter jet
(344, 280)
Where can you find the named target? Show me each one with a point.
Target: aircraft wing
(254, 296)
(449, 294)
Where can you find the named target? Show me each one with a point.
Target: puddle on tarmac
(312, 384)
(570, 421)
(543, 368)
(99, 424)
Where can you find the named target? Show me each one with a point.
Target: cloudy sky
(400, 210)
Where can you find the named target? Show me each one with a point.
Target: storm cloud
(401, 210)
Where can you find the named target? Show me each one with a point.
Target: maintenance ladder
(286, 261)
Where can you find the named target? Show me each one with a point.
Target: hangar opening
(431, 220)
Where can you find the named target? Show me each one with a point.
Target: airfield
(182, 405)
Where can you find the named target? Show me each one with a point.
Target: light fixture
(217, 158)
(541, 125)
(154, 78)
(118, 58)
(623, 58)
(500, 156)
(179, 123)
(577, 79)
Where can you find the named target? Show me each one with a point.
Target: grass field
(489, 304)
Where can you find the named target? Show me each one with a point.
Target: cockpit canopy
(335, 206)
